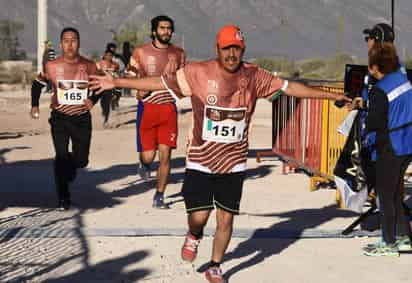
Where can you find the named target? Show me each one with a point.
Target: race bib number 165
(71, 92)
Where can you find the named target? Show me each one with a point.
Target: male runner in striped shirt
(156, 122)
(70, 118)
(223, 92)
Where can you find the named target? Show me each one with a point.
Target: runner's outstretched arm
(102, 83)
(303, 91)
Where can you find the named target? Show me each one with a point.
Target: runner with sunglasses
(223, 92)
(156, 121)
(70, 118)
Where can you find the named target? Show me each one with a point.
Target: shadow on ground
(29, 183)
(297, 221)
(45, 259)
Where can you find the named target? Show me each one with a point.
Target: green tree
(331, 68)
(9, 41)
(277, 64)
(407, 60)
(133, 34)
(94, 55)
(335, 67)
(311, 65)
(408, 63)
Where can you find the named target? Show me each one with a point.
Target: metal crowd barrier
(304, 135)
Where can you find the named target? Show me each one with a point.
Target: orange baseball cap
(230, 35)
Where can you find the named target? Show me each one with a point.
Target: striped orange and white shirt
(223, 104)
(148, 61)
(59, 70)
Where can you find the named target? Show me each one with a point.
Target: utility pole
(393, 15)
(41, 31)
(283, 35)
(283, 38)
(341, 34)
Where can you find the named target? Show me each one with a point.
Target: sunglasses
(66, 85)
(220, 115)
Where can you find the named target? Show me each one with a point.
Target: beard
(165, 39)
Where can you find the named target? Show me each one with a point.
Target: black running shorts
(204, 191)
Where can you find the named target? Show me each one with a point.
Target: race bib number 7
(71, 92)
(224, 125)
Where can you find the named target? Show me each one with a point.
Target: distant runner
(223, 92)
(121, 61)
(107, 65)
(156, 123)
(70, 118)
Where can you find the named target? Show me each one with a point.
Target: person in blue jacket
(379, 34)
(390, 118)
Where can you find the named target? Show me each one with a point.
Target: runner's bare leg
(223, 234)
(147, 157)
(197, 221)
(164, 167)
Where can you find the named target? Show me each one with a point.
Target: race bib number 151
(224, 125)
